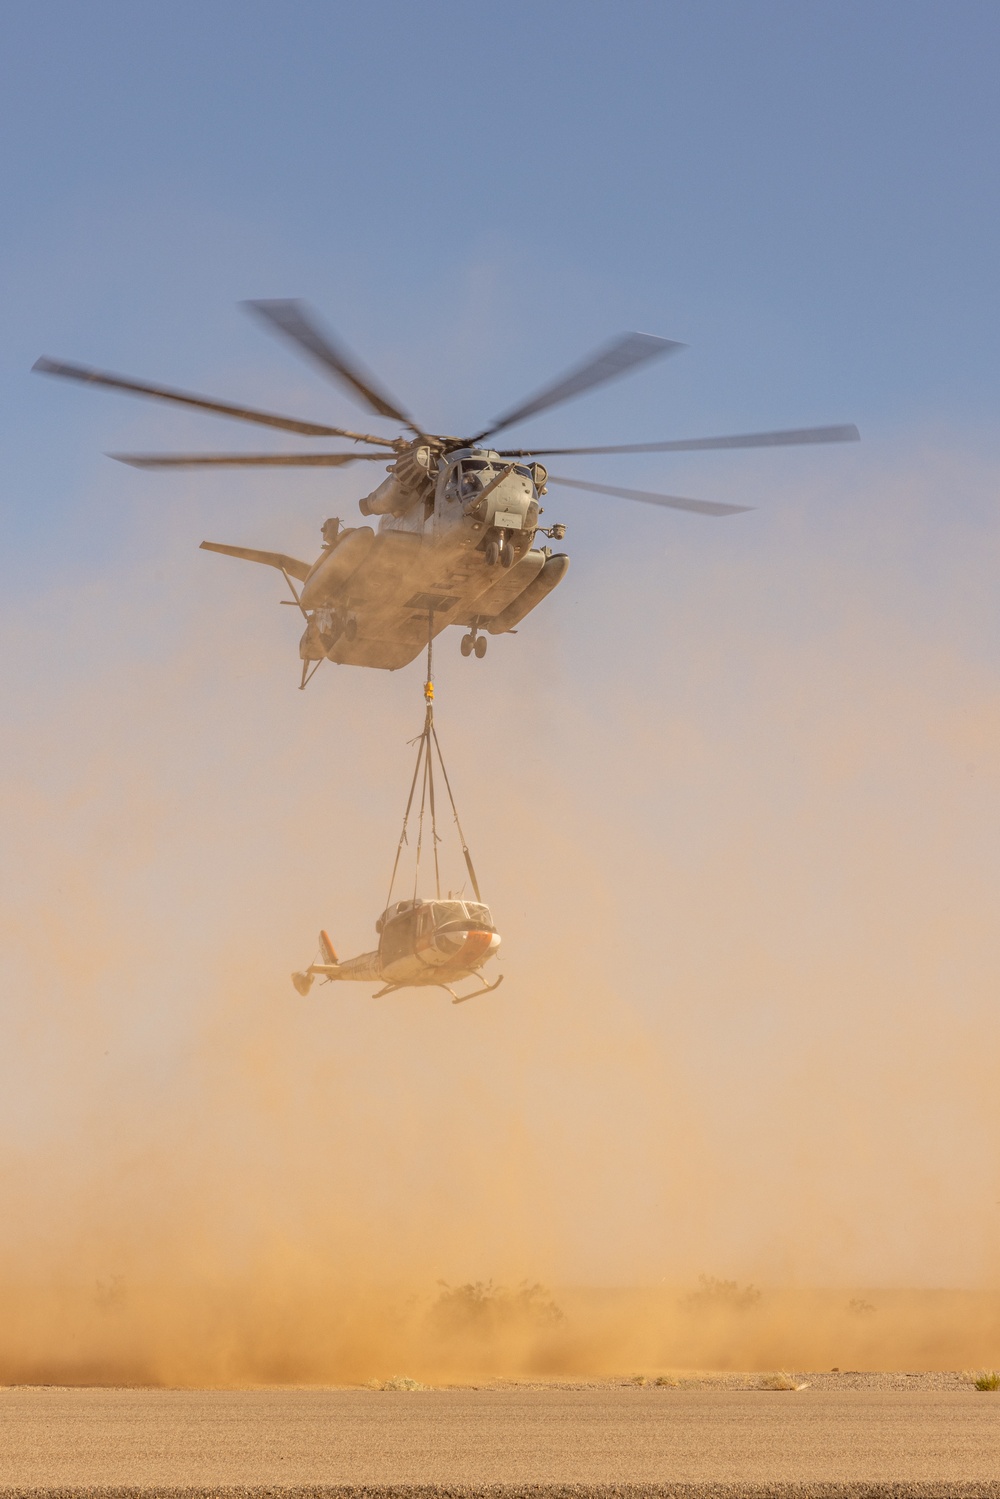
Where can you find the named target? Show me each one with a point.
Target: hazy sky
(735, 788)
(804, 193)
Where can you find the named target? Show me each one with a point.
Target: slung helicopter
(458, 519)
(422, 943)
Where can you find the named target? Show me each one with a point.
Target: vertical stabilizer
(326, 948)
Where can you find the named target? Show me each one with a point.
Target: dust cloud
(738, 824)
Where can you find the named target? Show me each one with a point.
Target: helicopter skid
(456, 999)
(459, 999)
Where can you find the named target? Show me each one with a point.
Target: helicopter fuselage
(422, 943)
(457, 548)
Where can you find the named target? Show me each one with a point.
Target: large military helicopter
(458, 518)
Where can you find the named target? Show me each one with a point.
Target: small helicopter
(421, 943)
(458, 518)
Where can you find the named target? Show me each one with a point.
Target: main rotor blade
(671, 501)
(242, 460)
(792, 437)
(614, 359)
(292, 320)
(88, 376)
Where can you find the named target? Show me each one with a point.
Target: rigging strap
(454, 813)
(427, 746)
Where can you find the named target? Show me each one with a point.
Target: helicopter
(433, 941)
(421, 943)
(458, 518)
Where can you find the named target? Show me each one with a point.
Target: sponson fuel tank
(553, 572)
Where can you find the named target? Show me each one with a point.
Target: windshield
(448, 910)
(479, 913)
(481, 463)
(471, 475)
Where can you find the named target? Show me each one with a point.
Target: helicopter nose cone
(474, 946)
(465, 943)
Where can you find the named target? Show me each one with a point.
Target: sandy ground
(925, 1437)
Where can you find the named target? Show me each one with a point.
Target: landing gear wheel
(507, 555)
(492, 554)
(480, 646)
(467, 645)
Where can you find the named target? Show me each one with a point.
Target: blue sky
(473, 195)
(771, 741)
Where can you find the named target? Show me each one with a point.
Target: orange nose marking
(476, 945)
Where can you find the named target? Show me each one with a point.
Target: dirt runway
(668, 1440)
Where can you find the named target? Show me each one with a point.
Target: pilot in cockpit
(470, 485)
(465, 482)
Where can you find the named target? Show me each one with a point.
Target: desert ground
(836, 1434)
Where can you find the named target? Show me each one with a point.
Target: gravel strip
(813, 1379)
(860, 1490)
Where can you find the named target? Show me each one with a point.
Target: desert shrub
(780, 1381)
(720, 1295)
(481, 1309)
(987, 1379)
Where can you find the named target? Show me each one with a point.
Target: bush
(481, 1309)
(987, 1379)
(720, 1295)
(781, 1381)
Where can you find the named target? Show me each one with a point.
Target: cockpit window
(467, 479)
(470, 483)
(481, 463)
(448, 910)
(479, 913)
(470, 475)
